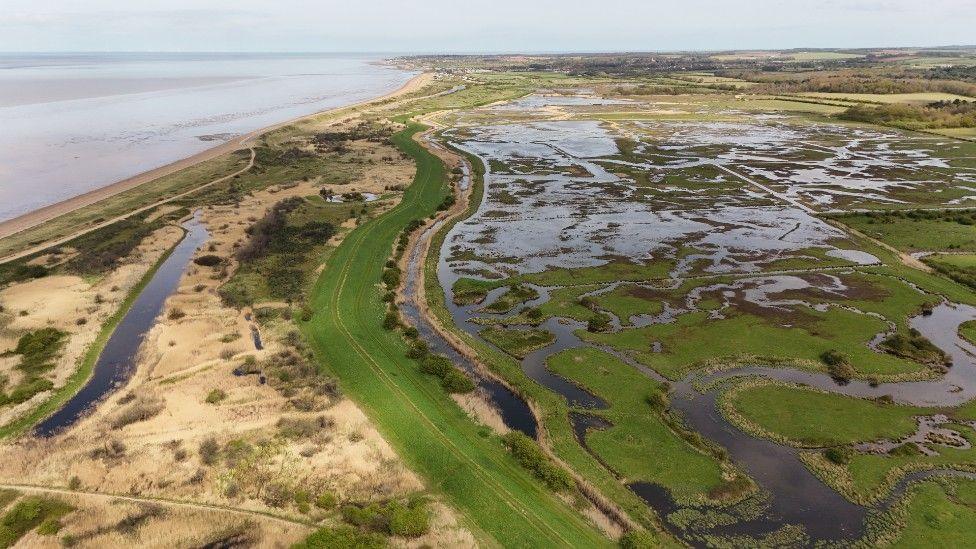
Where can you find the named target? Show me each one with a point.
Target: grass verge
(500, 500)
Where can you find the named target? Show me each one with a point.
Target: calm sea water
(70, 123)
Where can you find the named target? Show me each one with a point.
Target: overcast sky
(469, 26)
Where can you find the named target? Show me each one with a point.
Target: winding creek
(117, 361)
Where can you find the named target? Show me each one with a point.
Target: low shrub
(456, 381)
(638, 539)
(29, 513)
(208, 260)
(209, 451)
(326, 500)
(342, 537)
(436, 365)
(142, 409)
(409, 521)
(527, 452)
(303, 427)
(215, 396)
(839, 455)
(600, 322)
(277, 494)
(418, 350)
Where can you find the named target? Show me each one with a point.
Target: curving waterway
(117, 361)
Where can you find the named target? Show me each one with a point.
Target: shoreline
(41, 215)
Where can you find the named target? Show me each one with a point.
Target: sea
(74, 122)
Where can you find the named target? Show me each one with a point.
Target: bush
(638, 539)
(658, 400)
(215, 396)
(277, 494)
(914, 346)
(436, 365)
(833, 357)
(391, 277)
(175, 313)
(408, 521)
(599, 322)
(838, 365)
(393, 518)
(371, 517)
(208, 260)
(418, 350)
(142, 409)
(839, 455)
(455, 381)
(326, 500)
(209, 451)
(342, 537)
(842, 372)
(527, 452)
(390, 321)
(303, 427)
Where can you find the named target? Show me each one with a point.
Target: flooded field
(651, 261)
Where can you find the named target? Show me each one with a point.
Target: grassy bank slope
(499, 499)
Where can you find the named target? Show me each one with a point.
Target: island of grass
(967, 330)
(518, 343)
(938, 513)
(514, 296)
(641, 443)
(804, 416)
(832, 423)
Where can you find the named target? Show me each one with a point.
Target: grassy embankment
(499, 499)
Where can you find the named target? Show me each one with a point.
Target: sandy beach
(47, 213)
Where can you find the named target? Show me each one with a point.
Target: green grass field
(747, 337)
(518, 343)
(639, 446)
(813, 418)
(939, 514)
(499, 500)
(909, 234)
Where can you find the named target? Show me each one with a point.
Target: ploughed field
(710, 287)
